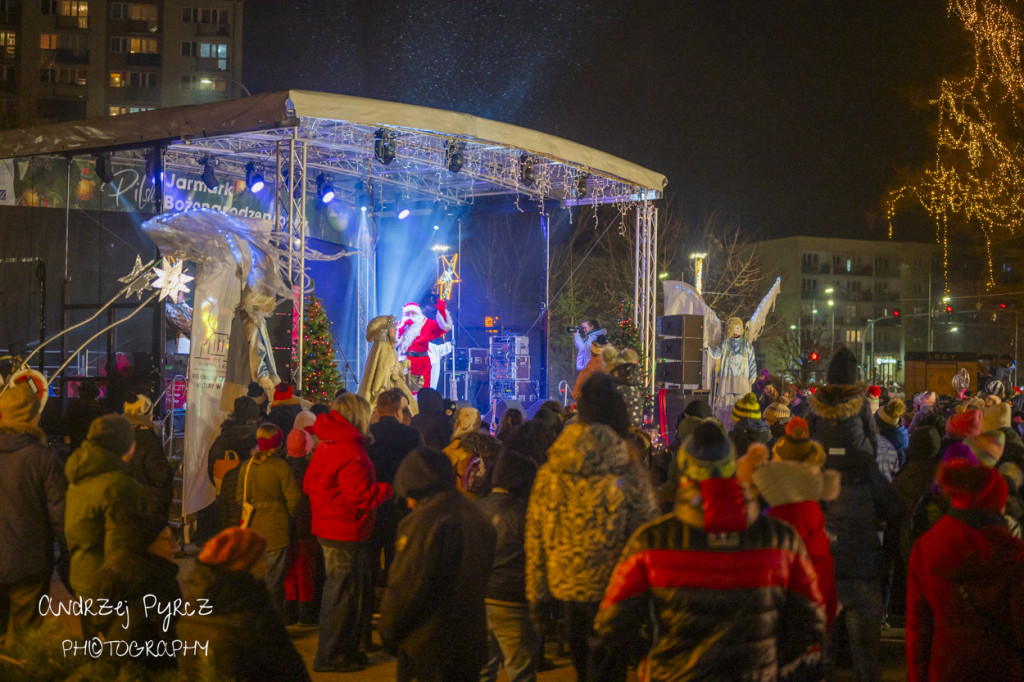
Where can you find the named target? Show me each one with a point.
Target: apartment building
(845, 292)
(63, 60)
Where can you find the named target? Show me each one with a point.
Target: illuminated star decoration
(449, 277)
(977, 177)
(138, 279)
(170, 280)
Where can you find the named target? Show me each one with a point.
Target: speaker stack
(680, 366)
(679, 354)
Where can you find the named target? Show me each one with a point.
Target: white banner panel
(217, 294)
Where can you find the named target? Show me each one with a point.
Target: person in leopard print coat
(588, 499)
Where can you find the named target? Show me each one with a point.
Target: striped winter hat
(776, 411)
(746, 407)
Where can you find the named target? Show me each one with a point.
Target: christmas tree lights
(976, 181)
(320, 376)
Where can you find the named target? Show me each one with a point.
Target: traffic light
(896, 315)
(1003, 306)
(814, 356)
(949, 312)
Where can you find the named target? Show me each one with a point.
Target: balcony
(809, 269)
(887, 273)
(63, 91)
(143, 59)
(142, 26)
(64, 56)
(211, 64)
(10, 18)
(72, 22)
(213, 30)
(135, 95)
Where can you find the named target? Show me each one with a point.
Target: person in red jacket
(965, 588)
(343, 497)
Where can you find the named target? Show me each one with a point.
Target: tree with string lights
(320, 376)
(975, 183)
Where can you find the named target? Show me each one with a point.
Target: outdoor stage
(401, 180)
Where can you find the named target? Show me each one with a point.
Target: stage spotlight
(209, 175)
(103, 171)
(253, 178)
(384, 146)
(437, 227)
(403, 214)
(581, 184)
(455, 155)
(527, 173)
(324, 188)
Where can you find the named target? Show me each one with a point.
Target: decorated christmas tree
(320, 376)
(628, 336)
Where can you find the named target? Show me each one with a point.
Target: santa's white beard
(409, 334)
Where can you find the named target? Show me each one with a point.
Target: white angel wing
(682, 299)
(757, 320)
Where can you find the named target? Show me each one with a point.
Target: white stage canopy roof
(337, 135)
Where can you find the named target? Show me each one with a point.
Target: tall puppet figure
(383, 370)
(414, 335)
(736, 370)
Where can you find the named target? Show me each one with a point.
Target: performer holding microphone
(414, 335)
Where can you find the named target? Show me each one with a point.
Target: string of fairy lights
(977, 178)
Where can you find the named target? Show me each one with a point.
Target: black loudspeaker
(686, 374)
(279, 329)
(532, 411)
(680, 349)
(504, 406)
(670, 404)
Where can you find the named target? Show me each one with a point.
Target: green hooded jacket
(102, 496)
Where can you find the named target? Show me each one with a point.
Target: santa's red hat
(411, 306)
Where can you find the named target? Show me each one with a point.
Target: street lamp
(209, 81)
(698, 270)
(832, 307)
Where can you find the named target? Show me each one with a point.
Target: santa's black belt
(416, 354)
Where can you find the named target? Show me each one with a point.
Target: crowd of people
(771, 546)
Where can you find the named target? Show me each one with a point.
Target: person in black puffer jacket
(237, 432)
(676, 580)
(149, 466)
(513, 641)
(842, 422)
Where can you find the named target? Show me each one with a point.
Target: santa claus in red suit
(414, 335)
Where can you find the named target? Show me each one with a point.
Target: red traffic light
(814, 356)
(896, 313)
(1002, 305)
(949, 310)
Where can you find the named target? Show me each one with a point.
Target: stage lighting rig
(253, 178)
(455, 155)
(527, 172)
(581, 184)
(209, 173)
(384, 146)
(324, 188)
(103, 170)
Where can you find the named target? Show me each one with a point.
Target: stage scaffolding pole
(644, 286)
(545, 221)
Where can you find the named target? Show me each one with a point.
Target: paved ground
(382, 666)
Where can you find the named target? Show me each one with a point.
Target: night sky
(790, 117)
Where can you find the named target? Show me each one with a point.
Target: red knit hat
(973, 487)
(967, 423)
(283, 391)
(234, 549)
(300, 443)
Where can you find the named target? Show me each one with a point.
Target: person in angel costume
(730, 367)
(736, 371)
(414, 335)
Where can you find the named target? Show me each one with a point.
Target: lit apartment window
(218, 51)
(132, 79)
(198, 15)
(204, 83)
(79, 9)
(48, 41)
(125, 45)
(8, 40)
(134, 11)
(853, 335)
(117, 79)
(118, 111)
(121, 110)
